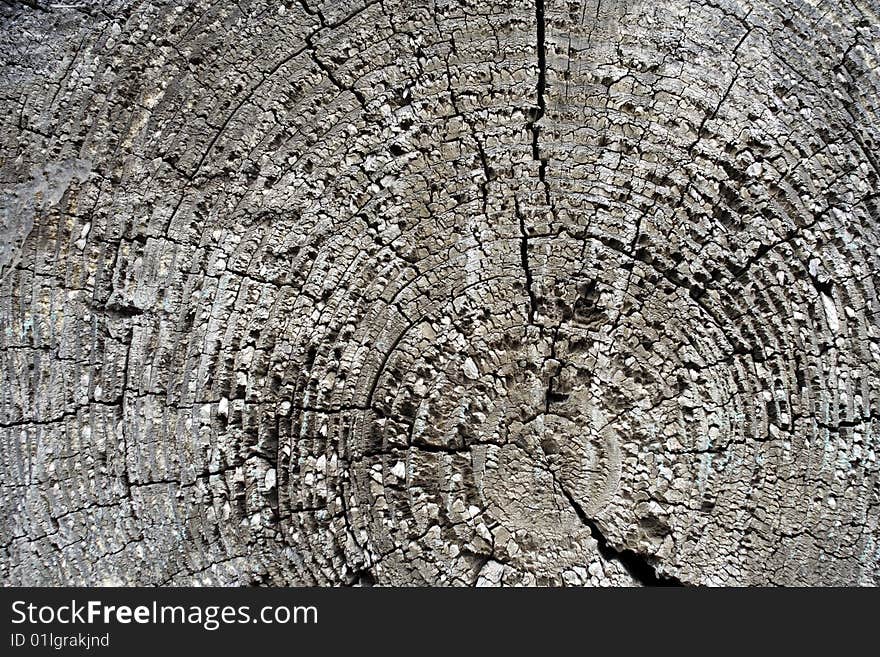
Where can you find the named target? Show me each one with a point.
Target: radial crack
(636, 564)
(524, 257)
(533, 127)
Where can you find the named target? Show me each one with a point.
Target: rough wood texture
(451, 292)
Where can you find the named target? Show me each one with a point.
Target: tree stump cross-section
(443, 292)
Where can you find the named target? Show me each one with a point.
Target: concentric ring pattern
(440, 292)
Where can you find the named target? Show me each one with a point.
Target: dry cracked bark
(440, 292)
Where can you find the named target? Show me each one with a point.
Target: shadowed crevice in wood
(637, 565)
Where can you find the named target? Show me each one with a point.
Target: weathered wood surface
(439, 292)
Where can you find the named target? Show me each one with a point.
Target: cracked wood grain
(444, 292)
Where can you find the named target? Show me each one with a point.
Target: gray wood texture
(442, 292)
